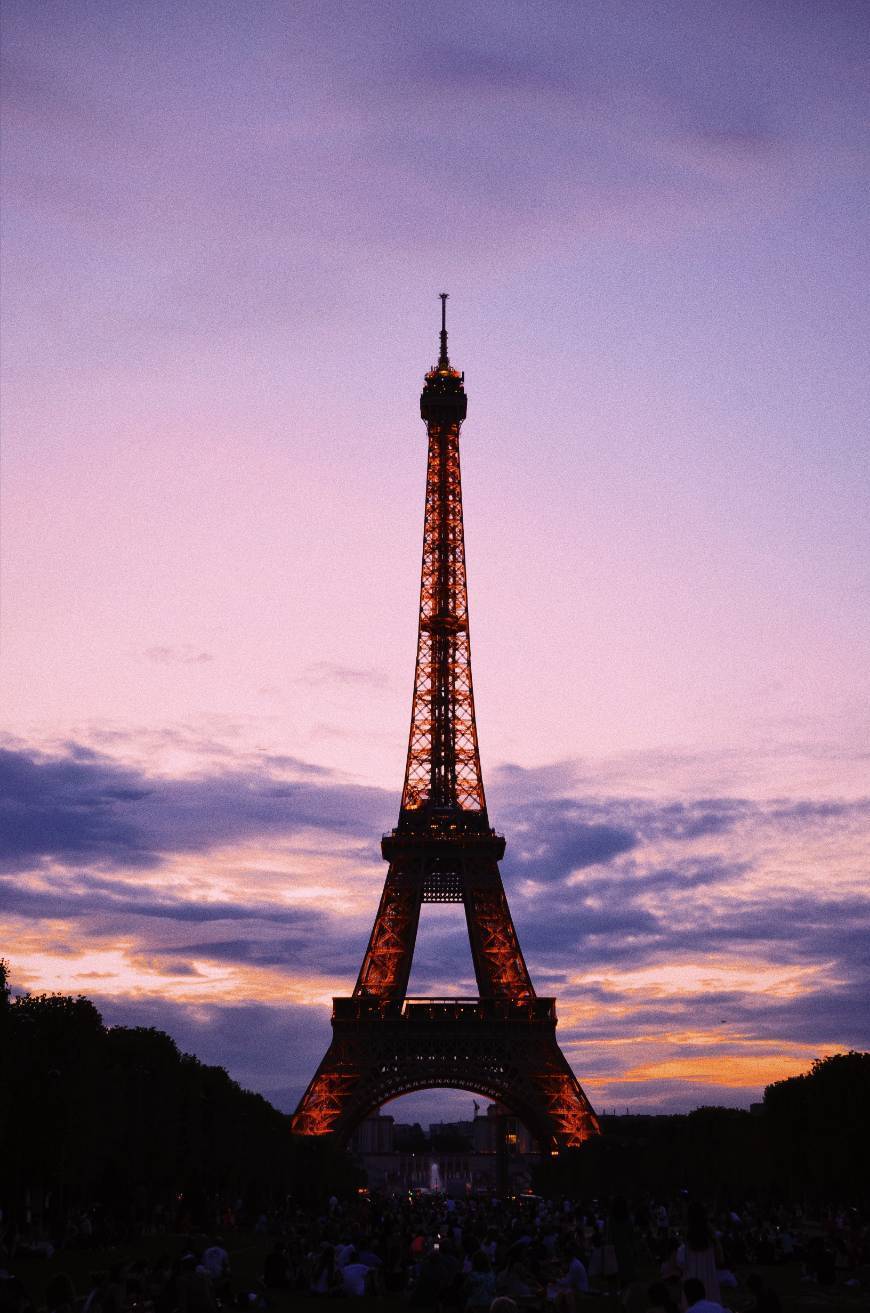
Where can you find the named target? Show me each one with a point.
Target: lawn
(247, 1252)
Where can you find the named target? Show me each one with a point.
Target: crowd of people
(476, 1255)
(464, 1255)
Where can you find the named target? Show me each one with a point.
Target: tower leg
(495, 949)
(386, 967)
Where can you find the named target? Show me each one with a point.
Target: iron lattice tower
(501, 1044)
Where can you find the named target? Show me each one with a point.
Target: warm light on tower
(443, 850)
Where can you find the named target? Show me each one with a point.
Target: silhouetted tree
(811, 1139)
(820, 1126)
(118, 1114)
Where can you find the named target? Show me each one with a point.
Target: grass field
(247, 1252)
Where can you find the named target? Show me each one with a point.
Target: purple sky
(224, 230)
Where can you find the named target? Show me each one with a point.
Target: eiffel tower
(501, 1044)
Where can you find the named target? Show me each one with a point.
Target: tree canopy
(98, 1111)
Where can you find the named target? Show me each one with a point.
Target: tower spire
(443, 358)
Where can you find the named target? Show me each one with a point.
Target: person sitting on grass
(276, 1269)
(660, 1300)
(479, 1283)
(694, 1298)
(764, 1297)
(567, 1290)
(354, 1275)
(325, 1274)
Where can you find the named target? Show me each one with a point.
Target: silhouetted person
(114, 1297)
(193, 1289)
(326, 1275)
(354, 1275)
(696, 1300)
(13, 1294)
(700, 1256)
(620, 1232)
(518, 1280)
(60, 1297)
(479, 1283)
(94, 1299)
(216, 1262)
(764, 1297)
(820, 1262)
(439, 1278)
(659, 1299)
(276, 1270)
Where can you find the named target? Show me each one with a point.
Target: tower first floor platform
(503, 1049)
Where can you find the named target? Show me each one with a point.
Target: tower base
(504, 1049)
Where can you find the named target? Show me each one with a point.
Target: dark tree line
(820, 1126)
(810, 1141)
(118, 1114)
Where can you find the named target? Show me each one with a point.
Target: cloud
(572, 931)
(838, 1013)
(330, 672)
(805, 811)
(486, 70)
(302, 950)
(835, 1013)
(30, 91)
(275, 1048)
(552, 838)
(616, 925)
(76, 806)
(584, 888)
(793, 929)
(85, 807)
(662, 1096)
(117, 903)
(668, 926)
(558, 126)
(178, 656)
(564, 842)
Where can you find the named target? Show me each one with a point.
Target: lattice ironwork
(495, 949)
(443, 768)
(430, 868)
(512, 1058)
(501, 1045)
(386, 966)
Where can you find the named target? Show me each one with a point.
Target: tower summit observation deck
(502, 1043)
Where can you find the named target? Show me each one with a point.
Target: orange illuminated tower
(501, 1044)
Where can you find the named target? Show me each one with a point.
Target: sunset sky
(225, 229)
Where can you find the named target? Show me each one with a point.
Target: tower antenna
(442, 359)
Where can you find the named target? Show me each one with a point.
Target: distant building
(455, 1131)
(459, 1158)
(496, 1122)
(374, 1135)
